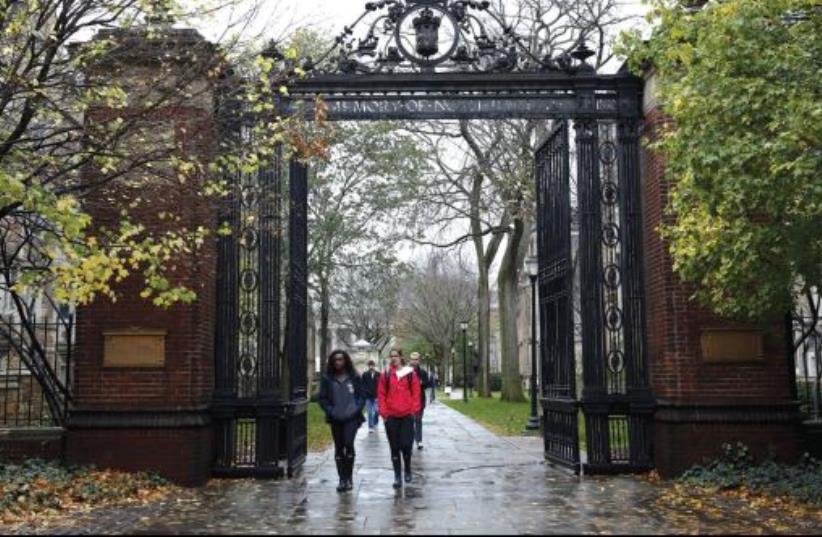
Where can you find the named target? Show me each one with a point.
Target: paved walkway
(467, 481)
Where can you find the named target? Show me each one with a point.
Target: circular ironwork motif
(249, 196)
(427, 35)
(248, 323)
(247, 365)
(612, 277)
(249, 280)
(249, 238)
(610, 234)
(616, 361)
(610, 193)
(607, 152)
(613, 318)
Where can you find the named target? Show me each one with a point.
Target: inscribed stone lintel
(134, 348)
(732, 345)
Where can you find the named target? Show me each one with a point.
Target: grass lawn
(501, 417)
(319, 433)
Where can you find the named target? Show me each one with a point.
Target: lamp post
(464, 327)
(451, 369)
(471, 354)
(532, 268)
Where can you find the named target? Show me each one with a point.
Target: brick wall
(702, 405)
(132, 418)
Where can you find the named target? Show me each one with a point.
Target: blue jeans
(373, 416)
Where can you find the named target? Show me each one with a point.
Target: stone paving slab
(467, 481)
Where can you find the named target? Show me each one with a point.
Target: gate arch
(408, 65)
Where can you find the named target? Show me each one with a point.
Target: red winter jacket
(401, 400)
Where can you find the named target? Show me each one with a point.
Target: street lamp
(450, 371)
(464, 327)
(532, 268)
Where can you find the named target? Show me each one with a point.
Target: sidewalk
(467, 481)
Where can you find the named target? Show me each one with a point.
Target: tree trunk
(325, 307)
(507, 283)
(484, 329)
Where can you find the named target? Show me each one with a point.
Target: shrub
(736, 468)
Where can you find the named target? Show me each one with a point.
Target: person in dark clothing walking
(424, 384)
(369, 383)
(342, 399)
(399, 401)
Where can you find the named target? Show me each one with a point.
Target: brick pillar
(715, 381)
(136, 407)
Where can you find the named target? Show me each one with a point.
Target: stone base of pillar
(178, 446)
(688, 434)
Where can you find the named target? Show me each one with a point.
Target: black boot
(349, 472)
(341, 473)
(406, 459)
(397, 472)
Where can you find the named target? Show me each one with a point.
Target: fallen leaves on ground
(36, 492)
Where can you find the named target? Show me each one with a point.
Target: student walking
(342, 399)
(399, 401)
(424, 384)
(369, 383)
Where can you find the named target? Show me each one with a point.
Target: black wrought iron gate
(260, 395)
(555, 290)
(599, 276)
(589, 230)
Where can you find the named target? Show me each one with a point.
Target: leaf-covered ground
(779, 494)
(39, 493)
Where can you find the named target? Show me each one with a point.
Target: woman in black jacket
(342, 399)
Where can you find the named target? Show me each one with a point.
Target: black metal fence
(35, 358)
(807, 339)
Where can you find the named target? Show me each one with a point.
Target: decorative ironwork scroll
(436, 36)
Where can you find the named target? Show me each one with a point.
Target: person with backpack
(399, 401)
(424, 384)
(369, 382)
(342, 398)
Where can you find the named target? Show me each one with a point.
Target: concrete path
(467, 481)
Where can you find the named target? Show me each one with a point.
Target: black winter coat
(325, 397)
(369, 383)
(425, 383)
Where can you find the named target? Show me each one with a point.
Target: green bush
(495, 379)
(736, 468)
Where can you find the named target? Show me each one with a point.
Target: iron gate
(260, 395)
(555, 291)
(394, 62)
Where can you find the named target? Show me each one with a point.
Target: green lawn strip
(319, 433)
(501, 417)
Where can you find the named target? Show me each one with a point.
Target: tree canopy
(742, 84)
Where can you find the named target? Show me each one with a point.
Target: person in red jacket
(398, 394)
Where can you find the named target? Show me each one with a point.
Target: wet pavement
(467, 481)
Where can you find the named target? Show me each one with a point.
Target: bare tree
(435, 299)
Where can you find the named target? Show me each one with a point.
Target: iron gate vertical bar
(297, 318)
(298, 279)
(640, 398)
(594, 402)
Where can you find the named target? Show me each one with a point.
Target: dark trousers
(418, 426)
(344, 433)
(400, 432)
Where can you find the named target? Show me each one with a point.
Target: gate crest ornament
(438, 36)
